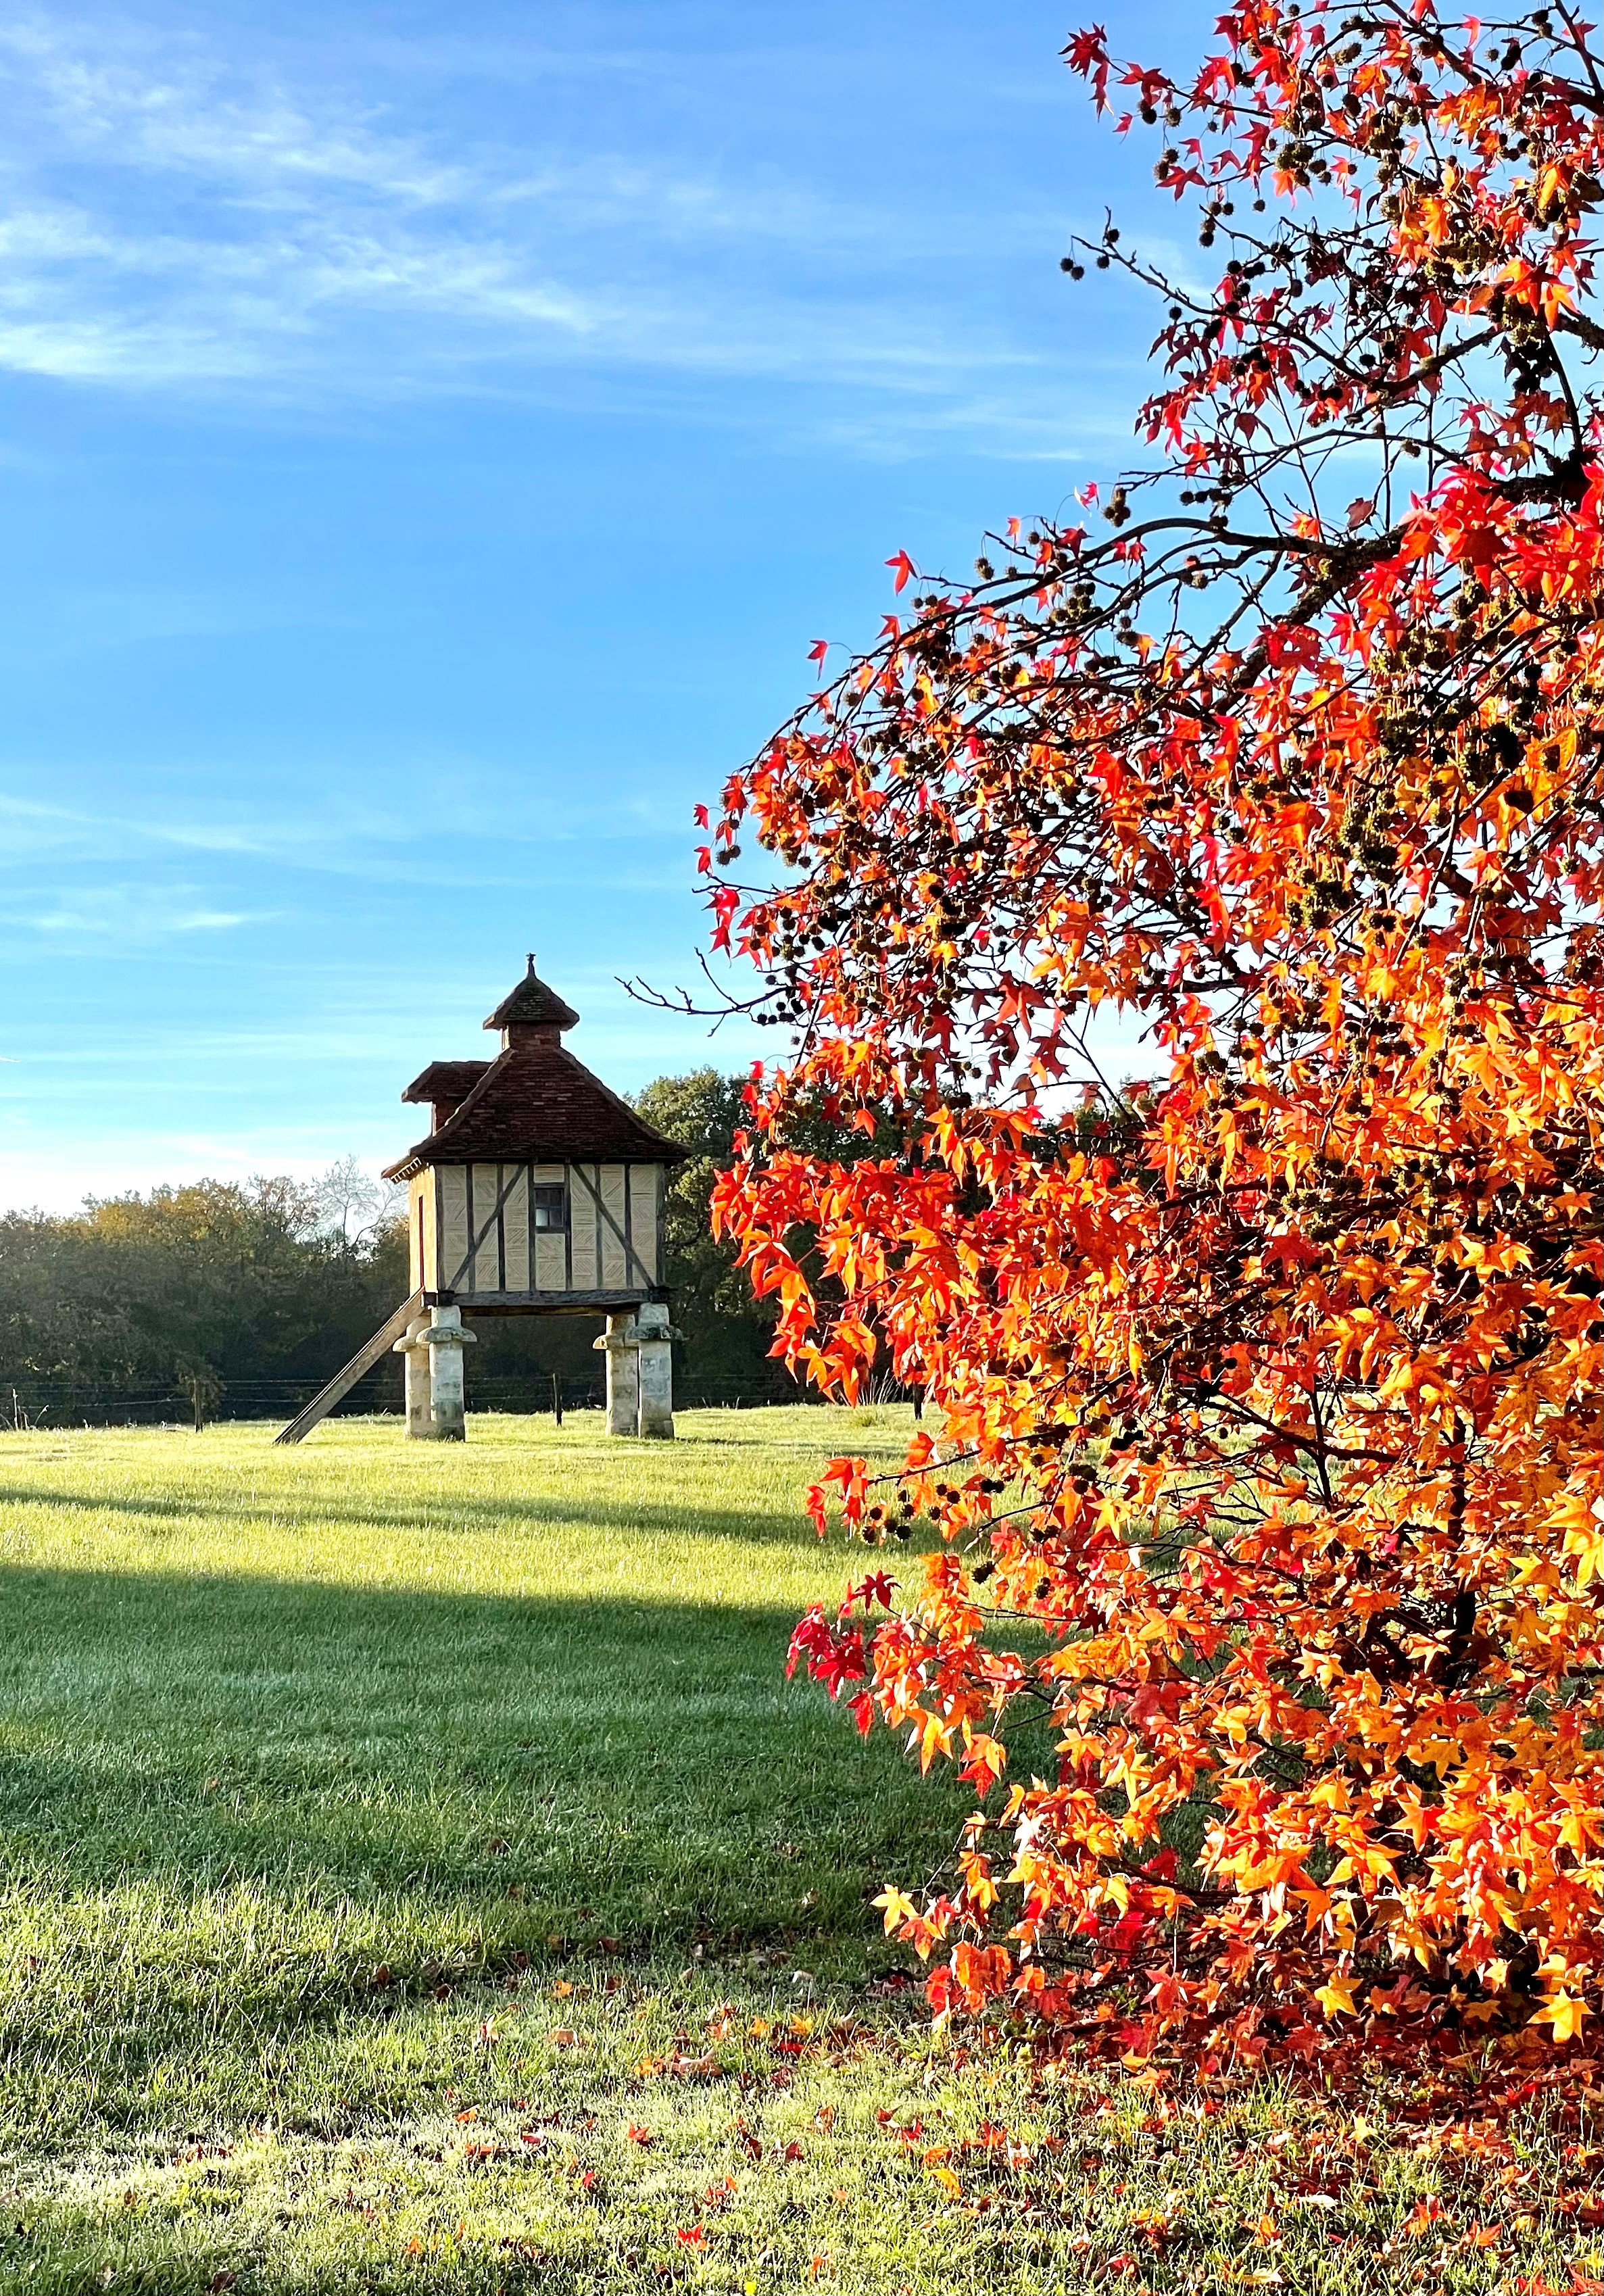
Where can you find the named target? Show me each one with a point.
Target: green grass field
(419, 1875)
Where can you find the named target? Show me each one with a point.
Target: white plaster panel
(452, 1182)
(485, 1274)
(581, 1212)
(514, 1229)
(615, 1273)
(416, 1231)
(643, 1220)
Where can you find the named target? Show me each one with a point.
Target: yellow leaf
(1336, 1998)
(896, 1907)
(1565, 2013)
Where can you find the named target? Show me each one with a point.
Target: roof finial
(531, 964)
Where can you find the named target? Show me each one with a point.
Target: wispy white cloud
(174, 219)
(122, 915)
(510, 832)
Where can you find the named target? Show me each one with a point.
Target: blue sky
(430, 436)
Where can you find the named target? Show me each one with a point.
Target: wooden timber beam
(341, 1385)
(542, 1303)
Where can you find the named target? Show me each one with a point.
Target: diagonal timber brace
(326, 1397)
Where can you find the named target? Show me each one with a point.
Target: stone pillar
(414, 1351)
(446, 1340)
(656, 1360)
(618, 1344)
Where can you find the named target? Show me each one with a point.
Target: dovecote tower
(536, 1190)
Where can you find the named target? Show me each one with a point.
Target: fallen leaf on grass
(639, 2136)
(1422, 2217)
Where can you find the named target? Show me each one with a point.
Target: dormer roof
(446, 1080)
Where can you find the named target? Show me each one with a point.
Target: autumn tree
(1271, 1470)
(727, 1332)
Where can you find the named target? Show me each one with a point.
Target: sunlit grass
(388, 1828)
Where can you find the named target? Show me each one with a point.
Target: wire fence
(27, 1403)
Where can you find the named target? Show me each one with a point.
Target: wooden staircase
(342, 1382)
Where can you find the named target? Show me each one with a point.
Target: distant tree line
(210, 1292)
(228, 1297)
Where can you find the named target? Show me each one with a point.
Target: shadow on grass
(634, 1767)
(750, 1524)
(226, 1803)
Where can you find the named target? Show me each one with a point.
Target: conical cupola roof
(532, 1005)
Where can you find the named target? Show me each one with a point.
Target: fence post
(557, 1398)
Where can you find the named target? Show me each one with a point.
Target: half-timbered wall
(473, 1230)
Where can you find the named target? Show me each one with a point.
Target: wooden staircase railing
(365, 1358)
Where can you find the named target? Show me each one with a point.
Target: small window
(548, 1207)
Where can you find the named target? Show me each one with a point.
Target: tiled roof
(446, 1080)
(537, 1104)
(532, 1004)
